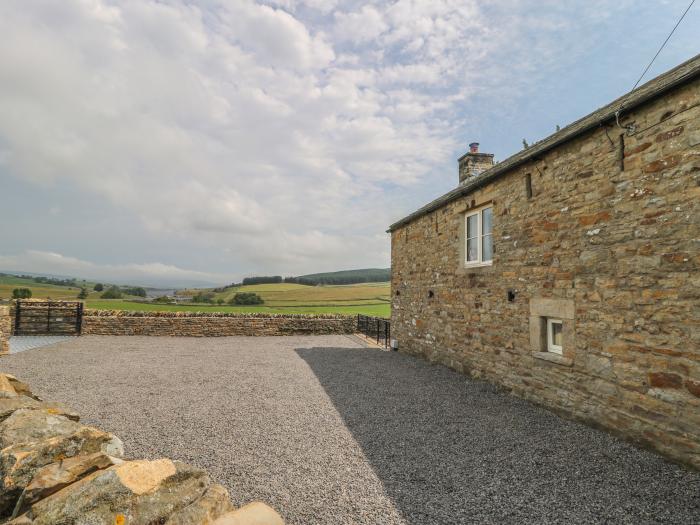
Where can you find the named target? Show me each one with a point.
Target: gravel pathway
(329, 432)
(27, 342)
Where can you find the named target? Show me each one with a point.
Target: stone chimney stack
(473, 163)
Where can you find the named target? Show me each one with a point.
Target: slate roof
(674, 78)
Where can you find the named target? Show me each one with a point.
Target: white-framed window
(478, 237)
(554, 335)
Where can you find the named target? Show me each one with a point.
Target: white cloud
(279, 134)
(359, 26)
(35, 261)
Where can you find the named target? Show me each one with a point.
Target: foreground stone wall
(608, 243)
(196, 324)
(55, 470)
(5, 329)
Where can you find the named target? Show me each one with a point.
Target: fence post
(79, 319)
(48, 318)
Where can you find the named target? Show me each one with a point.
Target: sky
(181, 142)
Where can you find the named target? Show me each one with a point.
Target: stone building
(569, 273)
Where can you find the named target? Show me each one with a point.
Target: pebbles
(328, 432)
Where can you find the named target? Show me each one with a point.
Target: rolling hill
(367, 275)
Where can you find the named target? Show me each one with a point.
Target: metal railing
(375, 328)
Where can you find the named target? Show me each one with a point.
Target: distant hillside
(367, 275)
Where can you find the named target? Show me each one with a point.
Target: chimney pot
(472, 163)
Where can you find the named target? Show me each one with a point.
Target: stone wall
(608, 242)
(5, 329)
(196, 324)
(55, 470)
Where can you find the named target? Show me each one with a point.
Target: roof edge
(679, 75)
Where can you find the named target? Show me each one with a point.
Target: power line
(663, 45)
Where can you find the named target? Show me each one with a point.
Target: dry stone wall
(55, 470)
(608, 242)
(5, 329)
(197, 324)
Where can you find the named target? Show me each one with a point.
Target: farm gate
(48, 318)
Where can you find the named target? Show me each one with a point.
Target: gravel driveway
(329, 432)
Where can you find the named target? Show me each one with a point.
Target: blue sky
(175, 142)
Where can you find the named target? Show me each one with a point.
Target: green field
(377, 310)
(367, 298)
(45, 291)
(39, 291)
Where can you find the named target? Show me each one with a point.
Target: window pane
(487, 217)
(472, 226)
(472, 249)
(556, 334)
(487, 247)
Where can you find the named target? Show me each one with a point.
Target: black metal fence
(376, 328)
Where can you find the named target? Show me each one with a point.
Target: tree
(21, 293)
(83, 293)
(246, 298)
(219, 301)
(203, 297)
(136, 290)
(263, 280)
(112, 293)
(99, 287)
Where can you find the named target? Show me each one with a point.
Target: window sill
(475, 269)
(477, 265)
(553, 358)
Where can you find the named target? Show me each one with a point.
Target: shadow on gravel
(449, 449)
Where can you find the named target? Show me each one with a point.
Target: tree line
(369, 275)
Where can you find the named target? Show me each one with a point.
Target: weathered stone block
(665, 380)
(213, 504)
(55, 476)
(134, 492)
(255, 513)
(20, 462)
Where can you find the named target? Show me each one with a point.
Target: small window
(554, 336)
(478, 245)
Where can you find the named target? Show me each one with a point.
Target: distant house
(570, 272)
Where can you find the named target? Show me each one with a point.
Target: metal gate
(48, 317)
(375, 327)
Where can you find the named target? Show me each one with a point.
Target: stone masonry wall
(195, 324)
(55, 470)
(612, 250)
(5, 329)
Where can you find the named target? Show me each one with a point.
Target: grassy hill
(39, 290)
(369, 299)
(366, 298)
(44, 290)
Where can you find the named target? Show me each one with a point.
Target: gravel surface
(329, 432)
(27, 342)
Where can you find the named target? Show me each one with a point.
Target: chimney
(473, 163)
